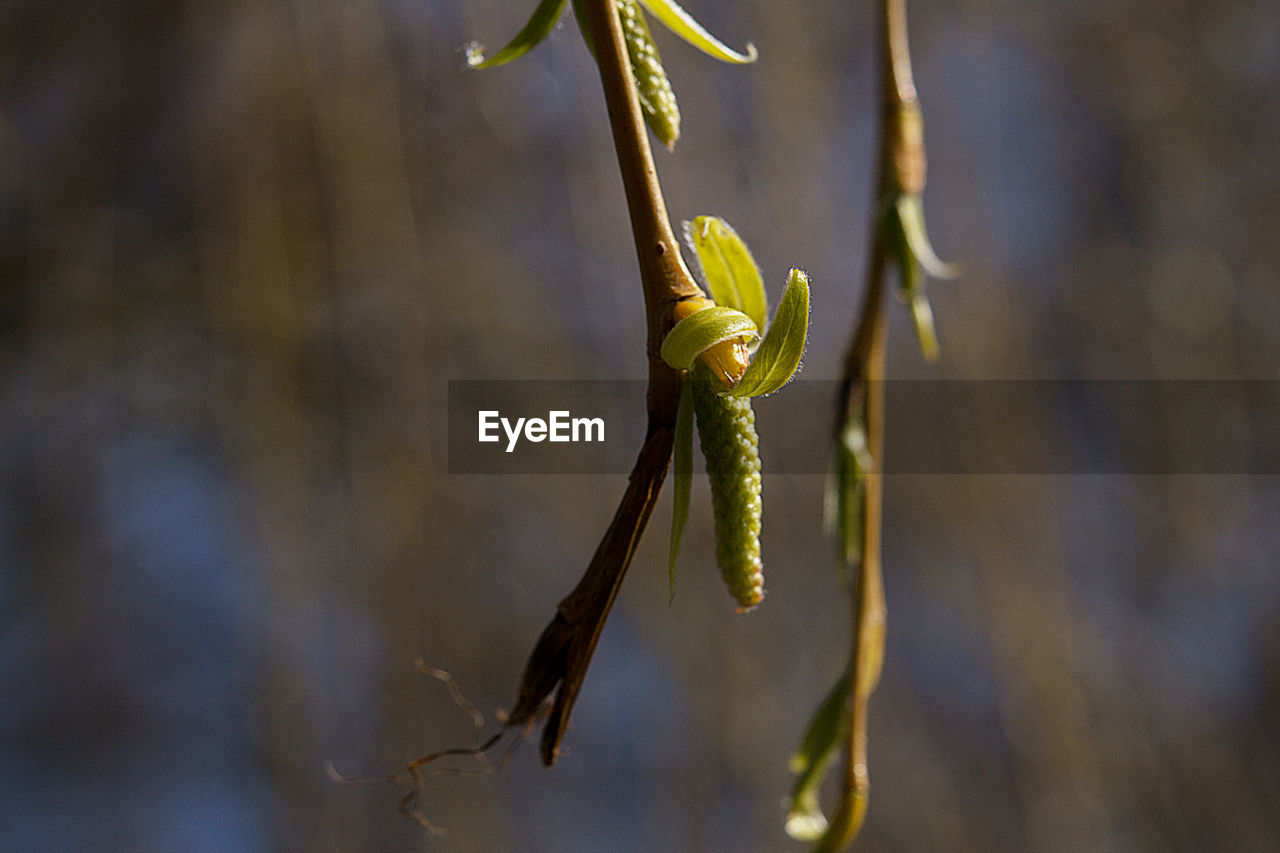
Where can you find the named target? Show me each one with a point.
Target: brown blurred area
(244, 246)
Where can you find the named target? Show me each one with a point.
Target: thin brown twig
(564, 650)
(861, 398)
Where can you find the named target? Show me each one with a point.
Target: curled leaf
(904, 224)
(728, 359)
(682, 479)
(822, 738)
(911, 216)
(727, 267)
(702, 330)
(540, 24)
(778, 357)
(682, 24)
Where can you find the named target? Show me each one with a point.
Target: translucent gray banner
(932, 427)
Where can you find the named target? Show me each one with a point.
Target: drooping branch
(901, 165)
(564, 650)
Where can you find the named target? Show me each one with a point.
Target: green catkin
(657, 100)
(727, 432)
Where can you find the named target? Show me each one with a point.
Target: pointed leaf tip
(727, 267)
(805, 820)
(683, 24)
(778, 358)
(540, 24)
(911, 216)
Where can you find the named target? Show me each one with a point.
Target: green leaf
(911, 281)
(922, 319)
(682, 24)
(833, 500)
(895, 236)
(805, 821)
(778, 357)
(823, 731)
(911, 216)
(704, 329)
(853, 463)
(727, 267)
(682, 479)
(540, 24)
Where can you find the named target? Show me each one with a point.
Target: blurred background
(245, 244)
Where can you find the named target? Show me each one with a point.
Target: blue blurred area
(127, 659)
(245, 246)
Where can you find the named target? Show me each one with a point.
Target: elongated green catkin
(657, 100)
(727, 432)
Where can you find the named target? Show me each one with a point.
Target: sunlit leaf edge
(778, 357)
(680, 22)
(702, 330)
(539, 26)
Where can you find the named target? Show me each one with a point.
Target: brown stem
(861, 398)
(564, 650)
(898, 82)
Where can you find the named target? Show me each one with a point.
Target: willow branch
(898, 82)
(861, 399)
(564, 650)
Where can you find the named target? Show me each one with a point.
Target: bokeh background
(245, 244)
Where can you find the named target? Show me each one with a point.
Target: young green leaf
(540, 24)
(682, 479)
(911, 215)
(833, 497)
(842, 509)
(727, 267)
(853, 463)
(848, 518)
(701, 330)
(911, 280)
(778, 357)
(805, 820)
(922, 319)
(682, 24)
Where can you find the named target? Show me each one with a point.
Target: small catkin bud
(727, 431)
(728, 360)
(657, 100)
